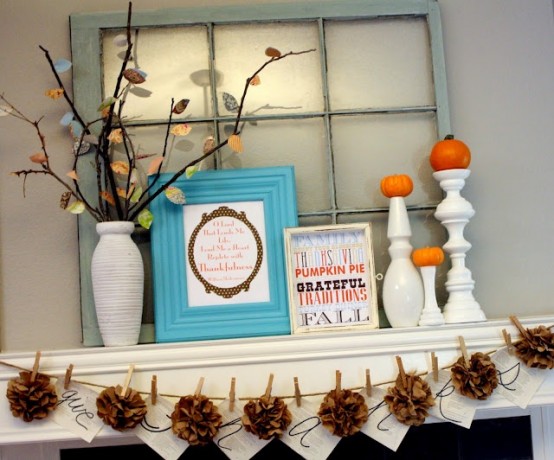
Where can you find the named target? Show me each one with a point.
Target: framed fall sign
(331, 277)
(218, 260)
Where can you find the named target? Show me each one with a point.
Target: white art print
(226, 253)
(331, 277)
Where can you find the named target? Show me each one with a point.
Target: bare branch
(60, 83)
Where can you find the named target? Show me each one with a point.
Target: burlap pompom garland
(536, 348)
(267, 417)
(121, 412)
(476, 379)
(343, 412)
(31, 399)
(195, 419)
(410, 399)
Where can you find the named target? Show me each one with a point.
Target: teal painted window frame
(87, 81)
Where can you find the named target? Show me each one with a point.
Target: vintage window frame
(364, 279)
(87, 82)
(175, 318)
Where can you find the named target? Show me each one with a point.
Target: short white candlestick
(454, 213)
(431, 314)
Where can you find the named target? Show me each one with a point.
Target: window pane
(367, 148)
(176, 60)
(426, 231)
(292, 85)
(149, 140)
(314, 220)
(288, 142)
(379, 63)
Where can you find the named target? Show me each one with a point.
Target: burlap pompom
(195, 419)
(343, 412)
(410, 400)
(536, 348)
(121, 412)
(31, 400)
(267, 417)
(476, 380)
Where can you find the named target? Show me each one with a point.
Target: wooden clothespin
(519, 326)
(67, 379)
(338, 378)
(464, 350)
(199, 386)
(35, 366)
(297, 394)
(154, 390)
(402, 372)
(232, 395)
(508, 340)
(435, 366)
(127, 380)
(269, 385)
(367, 382)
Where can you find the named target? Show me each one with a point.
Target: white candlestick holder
(431, 314)
(402, 285)
(454, 213)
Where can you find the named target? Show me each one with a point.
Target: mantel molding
(484, 336)
(312, 357)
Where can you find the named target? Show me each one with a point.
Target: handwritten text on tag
(306, 435)
(76, 410)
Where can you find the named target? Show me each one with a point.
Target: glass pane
(367, 148)
(288, 142)
(176, 60)
(426, 231)
(379, 63)
(149, 140)
(308, 221)
(291, 85)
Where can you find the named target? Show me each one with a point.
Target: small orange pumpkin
(450, 153)
(424, 257)
(396, 185)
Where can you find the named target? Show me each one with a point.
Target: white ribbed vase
(117, 284)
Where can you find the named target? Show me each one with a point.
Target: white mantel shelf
(312, 358)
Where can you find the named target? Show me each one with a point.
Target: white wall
(500, 66)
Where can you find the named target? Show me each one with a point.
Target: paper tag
(233, 440)
(306, 435)
(382, 425)
(155, 430)
(76, 410)
(516, 382)
(450, 405)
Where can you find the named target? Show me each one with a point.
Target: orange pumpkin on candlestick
(397, 185)
(450, 153)
(425, 257)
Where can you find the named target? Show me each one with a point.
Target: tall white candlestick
(454, 213)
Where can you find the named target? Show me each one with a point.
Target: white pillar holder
(454, 213)
(431, 314)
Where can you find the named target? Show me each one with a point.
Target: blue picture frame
(174, 318)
